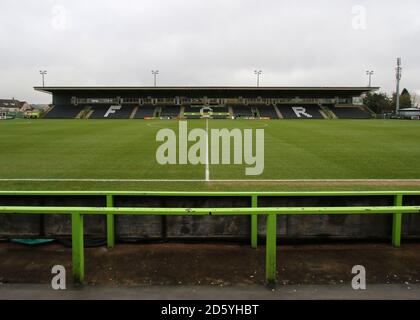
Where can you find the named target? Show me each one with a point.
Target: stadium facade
(215, 102)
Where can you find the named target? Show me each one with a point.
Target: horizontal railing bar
(211, 211)
(213, 193)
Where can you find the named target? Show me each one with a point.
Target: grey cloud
(212, 42)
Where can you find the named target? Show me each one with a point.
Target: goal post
(206, 112)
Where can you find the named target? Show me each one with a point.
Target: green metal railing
(77, 214)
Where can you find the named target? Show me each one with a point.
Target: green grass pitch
(305, 151)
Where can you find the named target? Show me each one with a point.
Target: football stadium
(327, 169)
(197, 173)
(209, 158)
(316, 138)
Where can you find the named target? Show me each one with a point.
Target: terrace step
(327, 113)
(134, 112)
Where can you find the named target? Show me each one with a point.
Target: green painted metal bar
(78, 258)
(271, 248)
(396, 222)
(212, 211)
(216, 193)
(110, 228)
(77, 221)
(77, 213)
(254, 223)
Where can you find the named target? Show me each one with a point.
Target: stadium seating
(193, 117)
(267, 111)
(215, 116)
(243, 111)
(189, 108)
(104, 112)
(304, 111)
(124, 113)
(145, 111)
(220, 109)
(288, 111)
(350, 112)
(171, 111)
(98, 111)
(63, 112)
(214, 108)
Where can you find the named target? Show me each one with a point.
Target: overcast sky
(206, 42)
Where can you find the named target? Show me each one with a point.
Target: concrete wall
(153, 227)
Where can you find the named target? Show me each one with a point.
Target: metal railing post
(396, 222)
(110, 229)
(270, 248)
(254, 223)
(78, 259)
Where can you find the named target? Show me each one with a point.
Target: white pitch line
(201, 180)
(207, 170)
(102, 180)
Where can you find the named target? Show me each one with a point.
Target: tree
(378, 102)
(405, 99)
(415, 100)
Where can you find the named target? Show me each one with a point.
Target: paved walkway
(246, 292)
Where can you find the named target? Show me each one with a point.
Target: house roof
(9, 103)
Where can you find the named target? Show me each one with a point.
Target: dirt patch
(213, 264)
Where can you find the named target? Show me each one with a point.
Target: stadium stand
(242, 111)
(98, 112)
(215, 116)
(198, 108)
(225, 102)
(350, 112)
(220, 108)
(189, 108)
(304, 111)
(63, 112)
(170, 111)
(193, 117)
(240, 102)
(145, 111)
(104, 112)
(218, 111)
(123, 113)
(267, 111)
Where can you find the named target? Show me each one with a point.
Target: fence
(77, 214)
